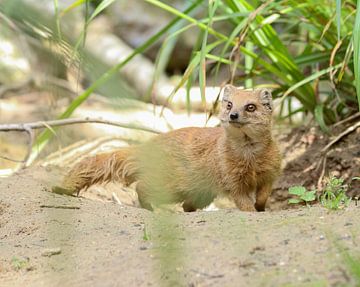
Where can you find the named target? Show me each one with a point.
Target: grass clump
(334, 194)
(18, 263)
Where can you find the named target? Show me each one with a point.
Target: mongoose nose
(234, 116)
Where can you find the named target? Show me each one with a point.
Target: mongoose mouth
(237, 123)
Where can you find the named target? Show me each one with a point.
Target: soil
(48, 239)
(304, 163)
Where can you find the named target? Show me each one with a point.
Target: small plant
(146, 235)
(334, 195)
(302, 195)
(19, 263)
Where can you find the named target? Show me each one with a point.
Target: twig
(11, 159)
(55, 123)
(29, 127)
(349, 119)
(15, 87)
(23, 162)
(319, 183)
(31, 137)
(340, 136)
(59, 206)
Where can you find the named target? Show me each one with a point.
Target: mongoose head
(248, 110)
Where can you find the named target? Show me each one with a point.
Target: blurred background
(151, 66)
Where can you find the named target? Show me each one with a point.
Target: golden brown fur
(194, 165)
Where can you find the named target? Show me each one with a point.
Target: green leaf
(297, 190)
(294, 200)
(309, 196)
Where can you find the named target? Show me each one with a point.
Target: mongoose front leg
(244, 202)
(262, 194)
(188, 206)
(141, 191)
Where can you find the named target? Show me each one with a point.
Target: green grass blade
(338, 17)
(195, 62)
(319, 116)
(249, 64)
(192, 76)
(229, 41)
(202, 69)
(57, 17)
(347, 58)
(183, 15)
(164, 54)
(356, 41)
(309, 79)
(72, 6)
(101, 7)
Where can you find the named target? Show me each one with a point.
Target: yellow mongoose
(194, 165)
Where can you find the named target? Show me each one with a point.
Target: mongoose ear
(266, 98)
(229, 90)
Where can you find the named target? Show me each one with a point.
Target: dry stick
(59, 206)
(340, 136)
(11, 159)
(349, 119)
(325, 150)
(15, 87)
(72, 121)
(28, 128)
(30, 133)
(322, 174)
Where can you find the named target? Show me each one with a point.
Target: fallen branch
(29, 127)
(11, 159)
(59, 206)
(55, 123)
(340, 136)
(349, 119)
(322, 174)
(14, 87)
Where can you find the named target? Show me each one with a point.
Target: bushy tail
(104, 167)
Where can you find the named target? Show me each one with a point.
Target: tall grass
(356, 41)
(300, 48)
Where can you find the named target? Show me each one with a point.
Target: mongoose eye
(229, 105)
(250, 108)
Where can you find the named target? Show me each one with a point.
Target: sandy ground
(55, 240)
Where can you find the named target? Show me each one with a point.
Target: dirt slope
(105, 244)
